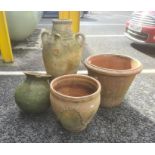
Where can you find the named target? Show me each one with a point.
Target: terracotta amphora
(115, 73)
(75, 100)
(33, 94)
(62, 50)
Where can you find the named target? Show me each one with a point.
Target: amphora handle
(80, 38)
(57, 36)
(44, 37)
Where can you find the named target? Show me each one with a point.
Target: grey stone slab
(24, 60)
(32, 59)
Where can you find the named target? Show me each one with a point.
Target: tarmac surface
(133, 121)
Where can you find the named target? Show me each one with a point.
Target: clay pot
(115, 73)
(33, 95)
(75, 100)
(62, 50)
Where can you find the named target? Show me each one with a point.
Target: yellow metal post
(5, 45)
(64, 15)
(74, 16)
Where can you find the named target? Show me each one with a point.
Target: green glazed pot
(32, 95)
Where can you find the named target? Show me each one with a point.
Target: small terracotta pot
(75, 100)
(115, 73)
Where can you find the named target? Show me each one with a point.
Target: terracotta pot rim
(62, 21)
(114, 72)
(37, 74)
(81, 98)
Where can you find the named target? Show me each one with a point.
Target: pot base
(110, 105)
(75, 131)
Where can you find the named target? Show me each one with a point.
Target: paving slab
(26, 59)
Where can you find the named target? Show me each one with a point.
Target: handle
(57, 36)
(44, 37)
(80, 38)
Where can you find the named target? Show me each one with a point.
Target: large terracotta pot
(115, 73)
(62, 50)
(21, 24)
(75, 100)
(33, 95)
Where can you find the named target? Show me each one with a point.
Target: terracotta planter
(75, 100)
(62, 50)
(33, 95)
(115, 73)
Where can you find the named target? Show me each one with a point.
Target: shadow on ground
(148, 50)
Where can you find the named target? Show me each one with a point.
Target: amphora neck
(63, 27)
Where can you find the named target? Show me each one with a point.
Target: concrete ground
(133, 121)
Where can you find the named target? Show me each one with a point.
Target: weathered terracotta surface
(75, 100)
(62, 50)
(33, 95)
(115, 73)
